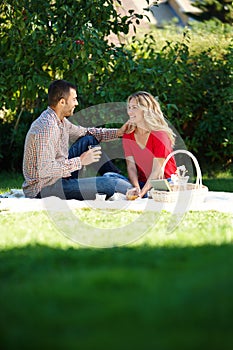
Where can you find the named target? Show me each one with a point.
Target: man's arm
(103, 134)
(107, 134)
(49, 166)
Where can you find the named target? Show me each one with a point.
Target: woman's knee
(115, 176)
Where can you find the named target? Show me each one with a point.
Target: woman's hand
(133, 193)
(126, 128)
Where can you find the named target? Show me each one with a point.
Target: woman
(148, 144)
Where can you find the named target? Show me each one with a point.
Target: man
(49, 168)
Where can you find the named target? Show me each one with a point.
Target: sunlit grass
(178, 284)
(198, 37)
(10, 180)
(195, 229)
(56, 293)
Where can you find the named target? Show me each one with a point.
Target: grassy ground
(220, 182)
(217, 39)
(10, 180)
(165, 291)
(162, 292)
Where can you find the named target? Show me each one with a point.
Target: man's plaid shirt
(46, 150)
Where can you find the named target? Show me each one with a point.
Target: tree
(219, 9)
(45, 40)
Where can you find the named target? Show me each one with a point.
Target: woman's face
(136, 115)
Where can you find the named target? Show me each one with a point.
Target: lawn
(165, 291)
(220, 182)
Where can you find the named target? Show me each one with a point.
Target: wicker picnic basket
(194, 191)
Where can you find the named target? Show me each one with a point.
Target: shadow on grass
(130, 298)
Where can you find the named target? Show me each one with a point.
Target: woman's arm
(132, 171)
(155, 174)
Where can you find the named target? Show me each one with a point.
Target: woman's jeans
(86, 188)
(122, 182)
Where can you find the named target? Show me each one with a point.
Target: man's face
(70, 103)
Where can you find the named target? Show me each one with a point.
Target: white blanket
(14, 201)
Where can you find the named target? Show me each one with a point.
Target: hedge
(42, 41)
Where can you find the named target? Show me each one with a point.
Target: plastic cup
(100, 196)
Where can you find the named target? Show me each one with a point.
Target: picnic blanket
(14, 201)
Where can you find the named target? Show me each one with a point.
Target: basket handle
(198, 170)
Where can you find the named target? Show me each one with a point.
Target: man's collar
(54, 114)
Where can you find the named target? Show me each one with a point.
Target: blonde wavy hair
(153, 115)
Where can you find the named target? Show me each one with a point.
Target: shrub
(194, 88)
(46, 40)
(42, 41)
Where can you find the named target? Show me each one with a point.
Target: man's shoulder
(47, 117)
(45, 121)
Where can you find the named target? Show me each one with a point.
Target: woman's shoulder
(158, 133)
(160, 137)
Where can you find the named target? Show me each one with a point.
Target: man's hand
(126, 128)
(93, 155)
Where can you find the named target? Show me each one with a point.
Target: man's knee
(88, 140)
(81, 145)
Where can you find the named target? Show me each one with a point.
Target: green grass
(165, 291)
(217, 38)
(9, 180)
(219, 182)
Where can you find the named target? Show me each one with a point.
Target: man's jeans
(104, 165)
(86, 188)
(81, 189)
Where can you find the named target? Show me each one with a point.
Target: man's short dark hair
(59, 89)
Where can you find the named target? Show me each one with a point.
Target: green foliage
(10, 180)
(202, 91)
(42, 41)
(194, 88)
(218, 9)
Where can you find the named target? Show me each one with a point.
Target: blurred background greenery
(188, 68)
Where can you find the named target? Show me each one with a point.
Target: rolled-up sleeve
(75, 131)
(103, 134)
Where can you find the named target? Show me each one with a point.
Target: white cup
(100, 196)
(98, 147)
